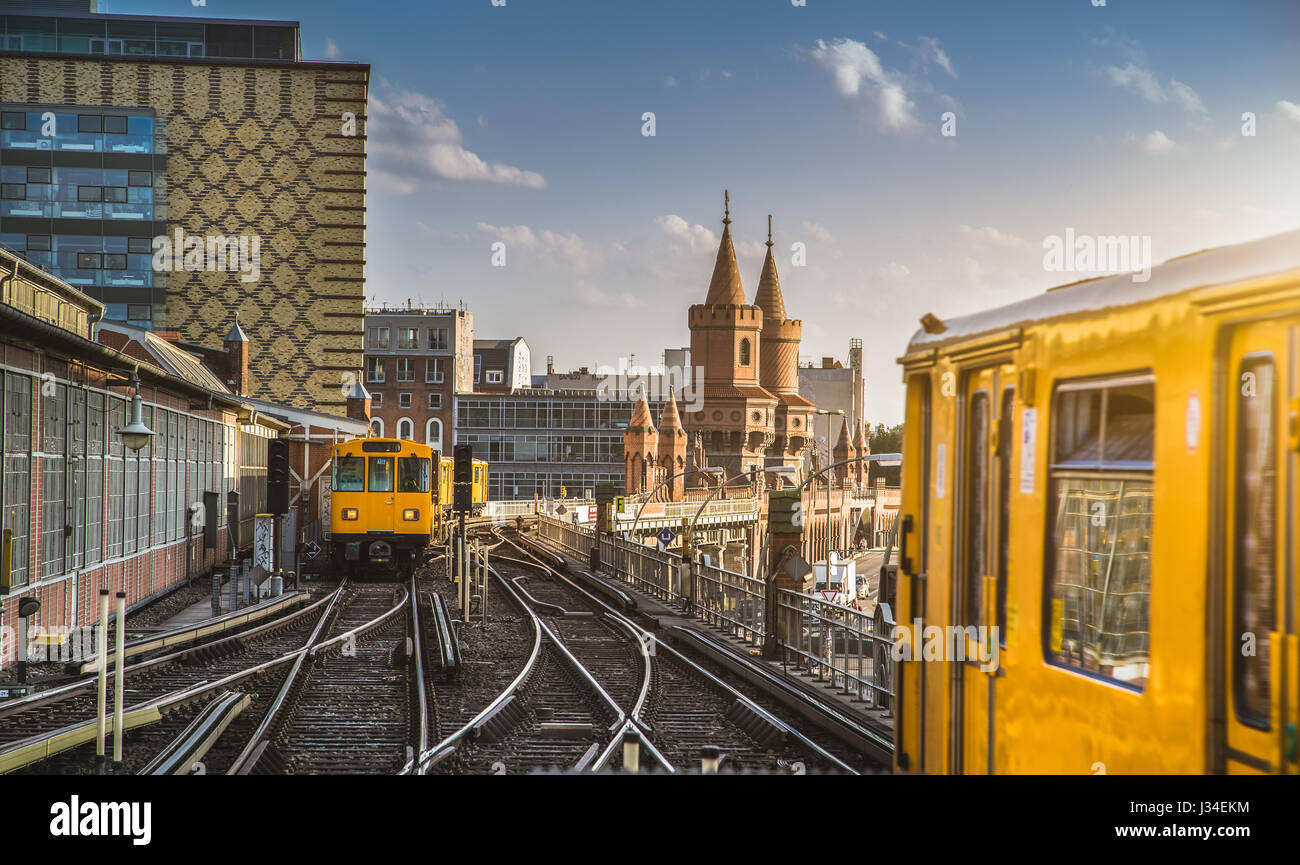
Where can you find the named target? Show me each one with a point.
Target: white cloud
(565, 249)
(1206, 215)
(864, 82)
(696, 237)
(881, 36)
(1288, 112)
(817, 232)
(1143, 81)
(593, 296)
(894, 272)
(413, 141)
(1156, 144)
(988, 236)
(726, 73)
(331, 50)
(670, 81)
(932, 53)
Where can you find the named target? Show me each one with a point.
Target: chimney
(550, 364)
(236, 345)
(359, 401)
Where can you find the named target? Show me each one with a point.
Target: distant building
(542, 441)
(834, 386)
(416, 361)
(502, 365)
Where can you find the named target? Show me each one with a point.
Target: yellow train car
(381, 507)
(1099, 526)
(445, 472)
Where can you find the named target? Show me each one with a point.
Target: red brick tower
(735, 423)
(672, 449)
(640, 450)
(779, 374)
(863, 449)
(844, 450)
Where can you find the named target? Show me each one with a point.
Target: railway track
(596, 679)
(169, 686)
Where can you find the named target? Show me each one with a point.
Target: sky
(523, 124)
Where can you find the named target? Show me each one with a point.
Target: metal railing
(847, 648)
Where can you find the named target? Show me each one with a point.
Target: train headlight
(411, 514)
(349, 513)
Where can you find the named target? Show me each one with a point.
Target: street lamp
(829, 457)
(135, 434)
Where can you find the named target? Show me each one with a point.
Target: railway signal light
(277, 476)
(463, 479)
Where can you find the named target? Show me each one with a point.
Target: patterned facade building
(257, 152)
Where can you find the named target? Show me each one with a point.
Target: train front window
(381, 474)
(350, 474)
(413, 474)
(1099, 574)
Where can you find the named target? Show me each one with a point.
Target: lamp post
(829, 457)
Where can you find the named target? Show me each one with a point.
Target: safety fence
(847, 648)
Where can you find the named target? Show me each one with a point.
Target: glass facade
(82, 195)
(134, 36)
(537, 444)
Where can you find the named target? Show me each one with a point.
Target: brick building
(416, 361)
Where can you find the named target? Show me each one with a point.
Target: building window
(435, 400)
(405, 430)
(408, 337)
(38, 243)
(433, 370)
(438, 340)
(1101, 475)
(139, 245)
(115, 124)
(433, 434)
(374, 369)
(87, 260)
(403, 400)
(478, 368)
(114, 194)
(377, 338)
(377, 400)
(744, 352)
(90, 123)
(38, 175)
(13, 120)
(139, 178)
(89, 193)
(15, 471)
(13, 191)
(405, 369)
(377, 427)
(494, 376)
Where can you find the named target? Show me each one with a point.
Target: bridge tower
(737, 415)
(779, 374)
(672, 449)
(640, 450)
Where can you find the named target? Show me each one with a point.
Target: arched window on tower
(744, 352)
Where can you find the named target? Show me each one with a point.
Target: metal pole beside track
(101, 704)
(120, 682)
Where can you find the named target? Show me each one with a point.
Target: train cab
(381, 509)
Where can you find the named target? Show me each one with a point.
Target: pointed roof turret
(236, 333)
(725, 286)
(769, 297)
(860, 440)
(669, 419)
(641, 415)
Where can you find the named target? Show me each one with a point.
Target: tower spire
(768, 298)
(725, 287)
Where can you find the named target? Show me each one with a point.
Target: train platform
(718, 645)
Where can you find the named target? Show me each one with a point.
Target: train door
(381, 477)
(1260, 657)
(978, 599)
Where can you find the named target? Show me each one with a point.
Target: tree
(886, 440)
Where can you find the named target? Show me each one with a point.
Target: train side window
(1006, 435)
(1099, 570)
(413, 474)
(381, 474)
(976, 505)
(350, 474)
(1255, 539)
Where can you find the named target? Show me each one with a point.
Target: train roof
(1216, 266)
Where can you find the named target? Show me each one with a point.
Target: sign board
(312, 550)
(830, 596)
(666, 537)
(1028, 435)
(619, 504)
(263, 540)
(8, 693)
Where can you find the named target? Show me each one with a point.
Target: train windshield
(350, 474)
(413, 474)
(381, 474)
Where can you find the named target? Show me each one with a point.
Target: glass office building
(147, 36)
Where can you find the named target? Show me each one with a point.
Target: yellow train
(382, 504)
(479, 497)
(1106, 474)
